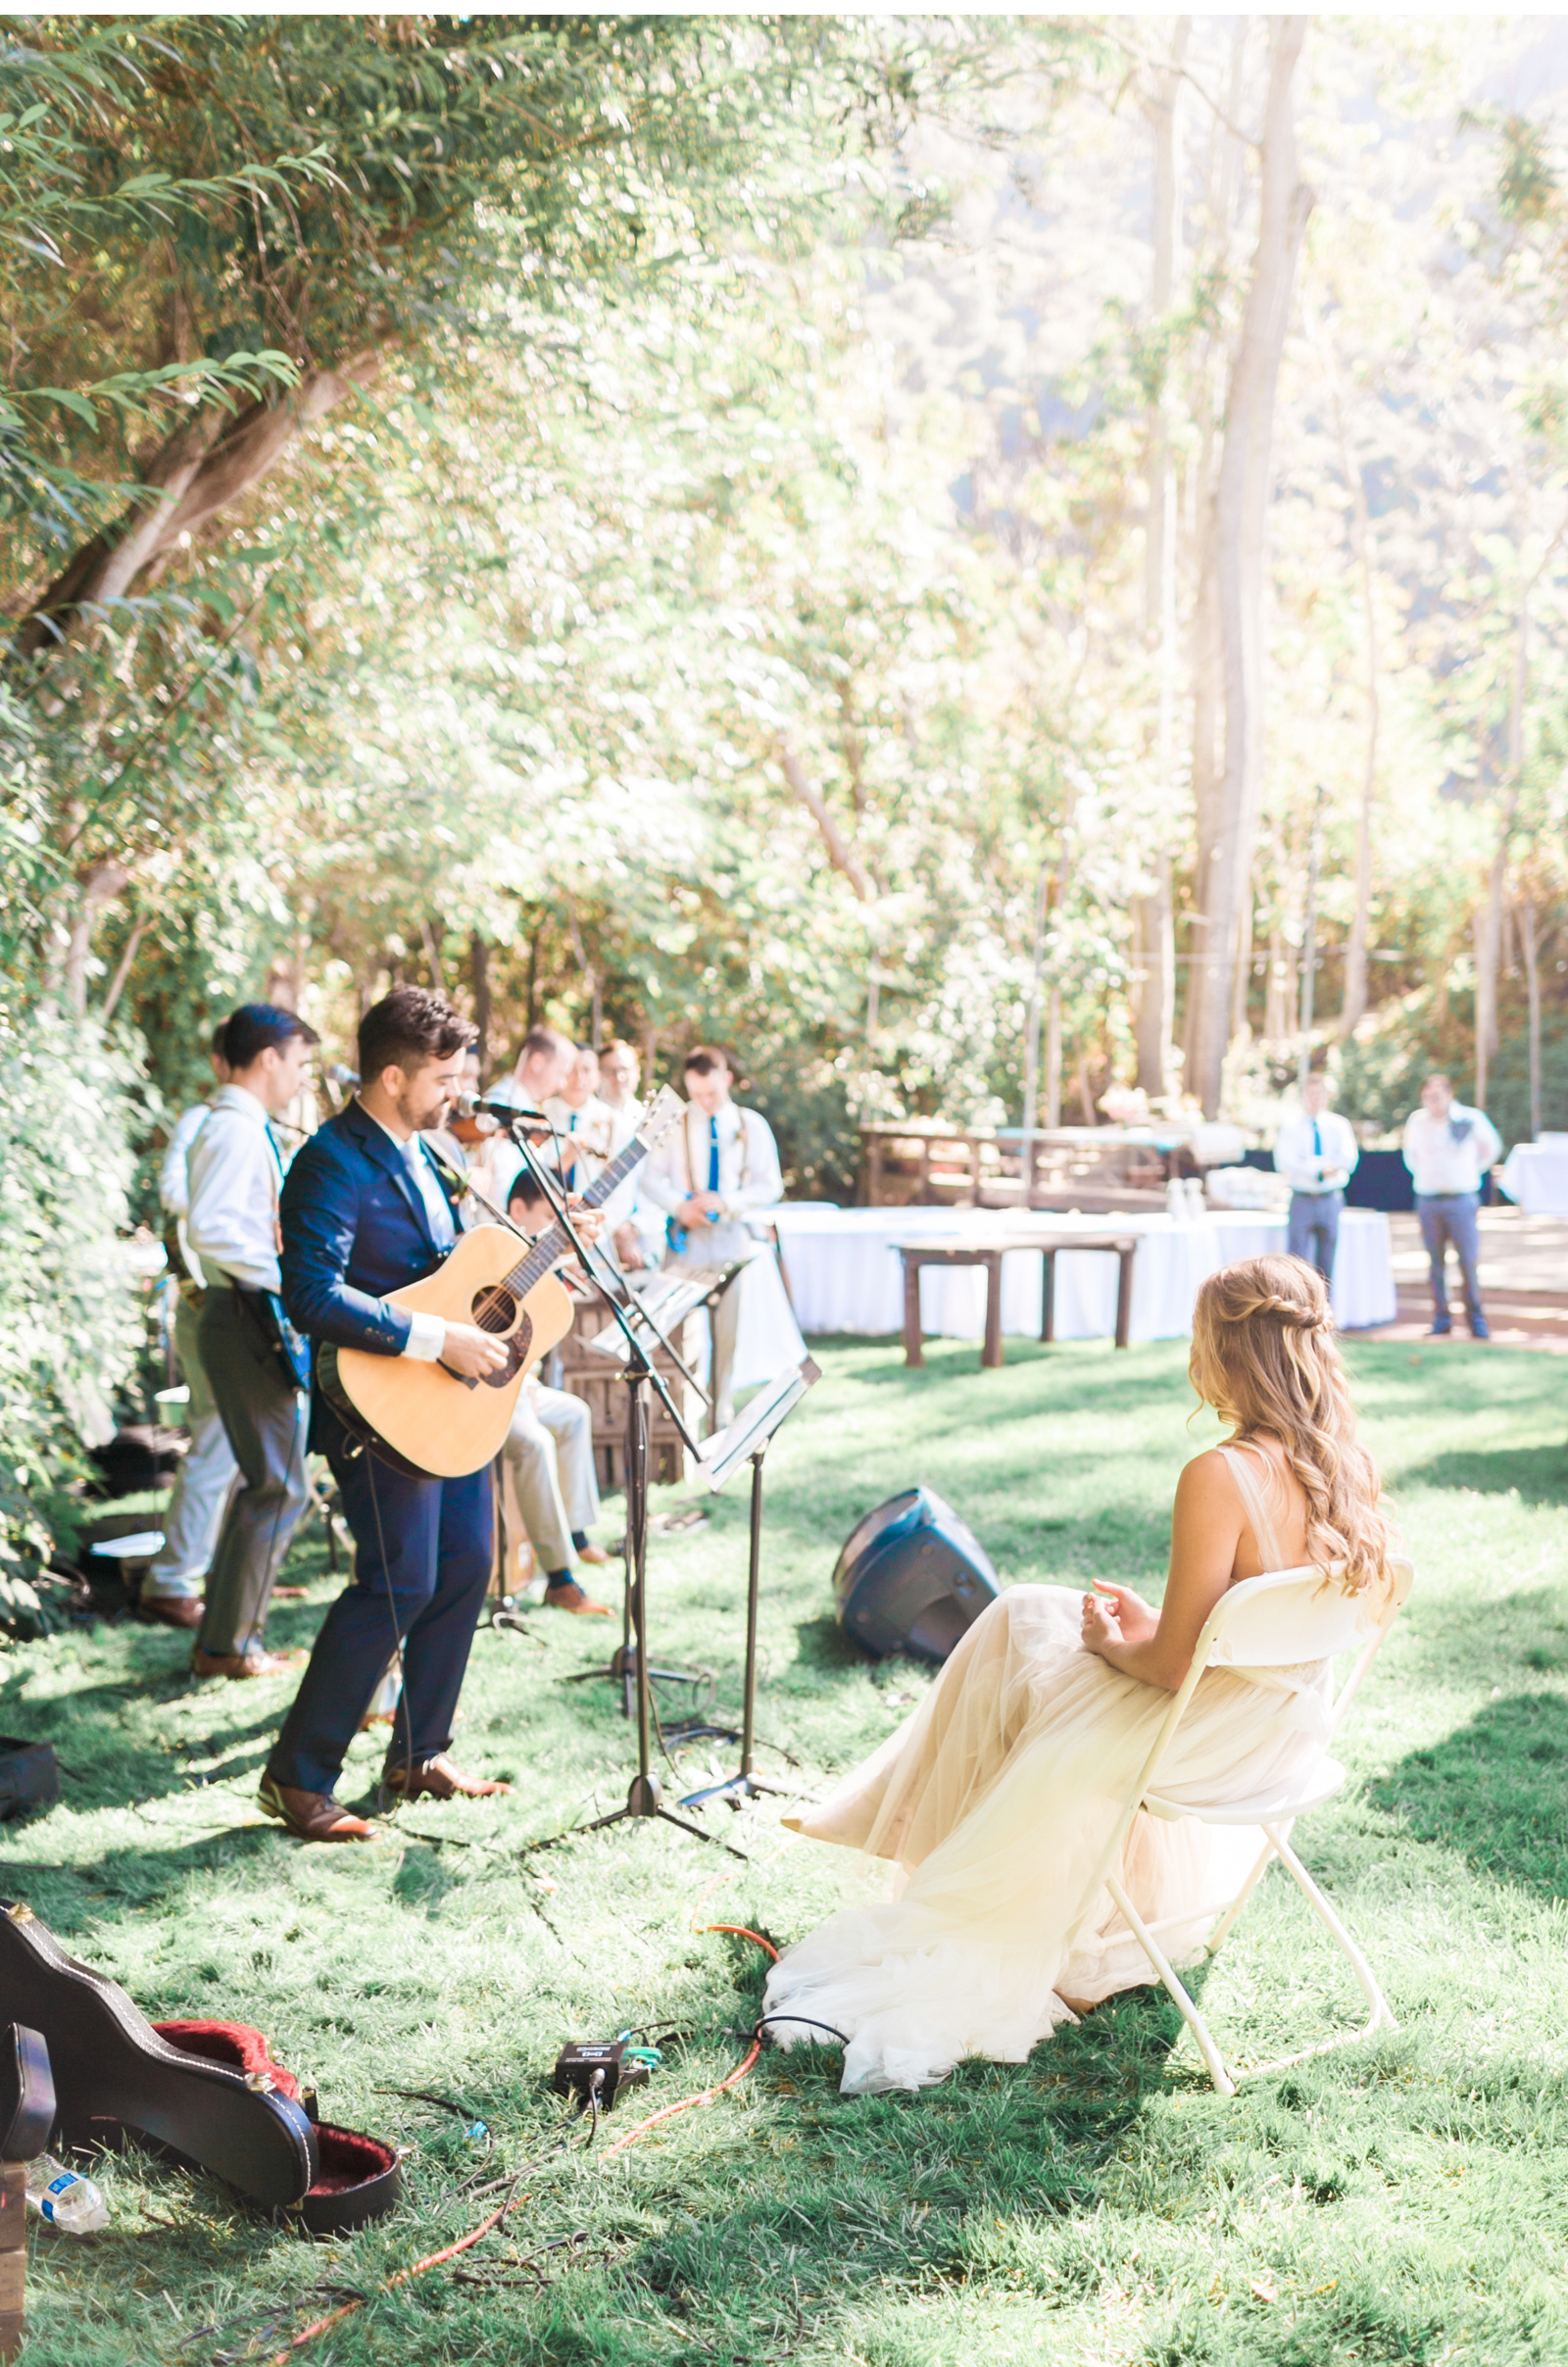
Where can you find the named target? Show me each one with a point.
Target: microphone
(472, 1105)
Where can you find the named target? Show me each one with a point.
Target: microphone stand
(645, 1797)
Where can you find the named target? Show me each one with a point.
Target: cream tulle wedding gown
(995, 1802)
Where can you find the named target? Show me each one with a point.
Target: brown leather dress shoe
(570, 1598)
(239, 1664)
(311, 1815)
(594, 1554)
(437, 1779)
(172, 1611)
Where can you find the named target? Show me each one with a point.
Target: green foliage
(69, 1326)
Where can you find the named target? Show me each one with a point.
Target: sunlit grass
(1397, 2202)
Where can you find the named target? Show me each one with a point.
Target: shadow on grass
(906, 2190)
(70, 1897)
(1496, 1790)
(1540, 1474)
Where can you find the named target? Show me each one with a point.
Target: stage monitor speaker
(912, 1578)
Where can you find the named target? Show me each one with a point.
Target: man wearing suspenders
(721, 1163)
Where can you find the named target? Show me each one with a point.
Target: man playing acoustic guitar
(363, 1211)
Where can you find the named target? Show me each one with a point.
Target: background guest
(542, 1068)
(1316, 1152)
(721, 1161)
(1449, 1149)
(619, 1070)
(633, 1229)
(236, 1174)
(549, 1453)
(171, 1590)
(585, 1119)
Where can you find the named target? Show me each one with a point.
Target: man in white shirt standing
(236, 1174)
(1449, 1149)
(171, 1590)
(1316, 1153)
(542, 1068)
(584, 1120)
(629, 1220)
(719, 1164)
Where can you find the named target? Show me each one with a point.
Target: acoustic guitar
(435, 1423)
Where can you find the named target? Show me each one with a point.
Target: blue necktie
(1318, 1141)
(713, 1155)
(571, 1171)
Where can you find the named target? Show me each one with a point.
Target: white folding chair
(1277, 1621)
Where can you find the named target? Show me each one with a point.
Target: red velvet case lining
(346, 2157)
(233, 2044)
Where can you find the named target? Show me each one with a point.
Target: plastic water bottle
(66, 2200)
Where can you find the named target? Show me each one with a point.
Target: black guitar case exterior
(209, 2090)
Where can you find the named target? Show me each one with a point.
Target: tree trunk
(1152, 921)
(1353, 1007)
(1214, 259)
(208, 463)
(1279, 1021)
(1054, 1059)
(841, 853)
(1155, 941)
(479, 977)
(1528, 948)
(1489, 920)
(117, 984)
(1031, 1040)
(99, 884)
(1237, 557)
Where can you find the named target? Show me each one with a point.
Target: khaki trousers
(549, 1454)
(201, 1484)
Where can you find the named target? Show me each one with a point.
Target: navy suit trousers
(421, 1563)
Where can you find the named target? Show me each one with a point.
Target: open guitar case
(208, 2093)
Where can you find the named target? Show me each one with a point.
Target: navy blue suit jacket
(353, 1227)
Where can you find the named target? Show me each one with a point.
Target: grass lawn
(1401, 2201)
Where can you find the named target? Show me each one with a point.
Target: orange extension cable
(405, 2276)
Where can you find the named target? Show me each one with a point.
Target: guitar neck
(553, 1245)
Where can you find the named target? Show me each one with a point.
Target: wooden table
(916, 1254)
(1122, 1245)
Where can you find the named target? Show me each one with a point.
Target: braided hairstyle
(1264, 1357)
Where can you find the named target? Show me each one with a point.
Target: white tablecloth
(845, 1274)
(1534, 1177)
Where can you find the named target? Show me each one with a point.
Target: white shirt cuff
(427, 1338)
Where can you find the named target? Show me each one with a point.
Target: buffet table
(1535, 1177)
(845, 1274)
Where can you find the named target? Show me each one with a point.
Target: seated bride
(999, 1797)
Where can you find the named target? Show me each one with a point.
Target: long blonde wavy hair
(1264, 1357)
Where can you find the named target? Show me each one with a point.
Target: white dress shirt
(625, 1205)
(235, 1175)
(593, 1126)
(749, 1176)
(173, 1183)
(1442, 1160)
(174, 1176)
(1316, 1155)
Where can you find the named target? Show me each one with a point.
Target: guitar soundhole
(495, 1308)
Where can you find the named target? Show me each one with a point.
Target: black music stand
(645, 1795)
(670, 1302)
(747, 1440)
